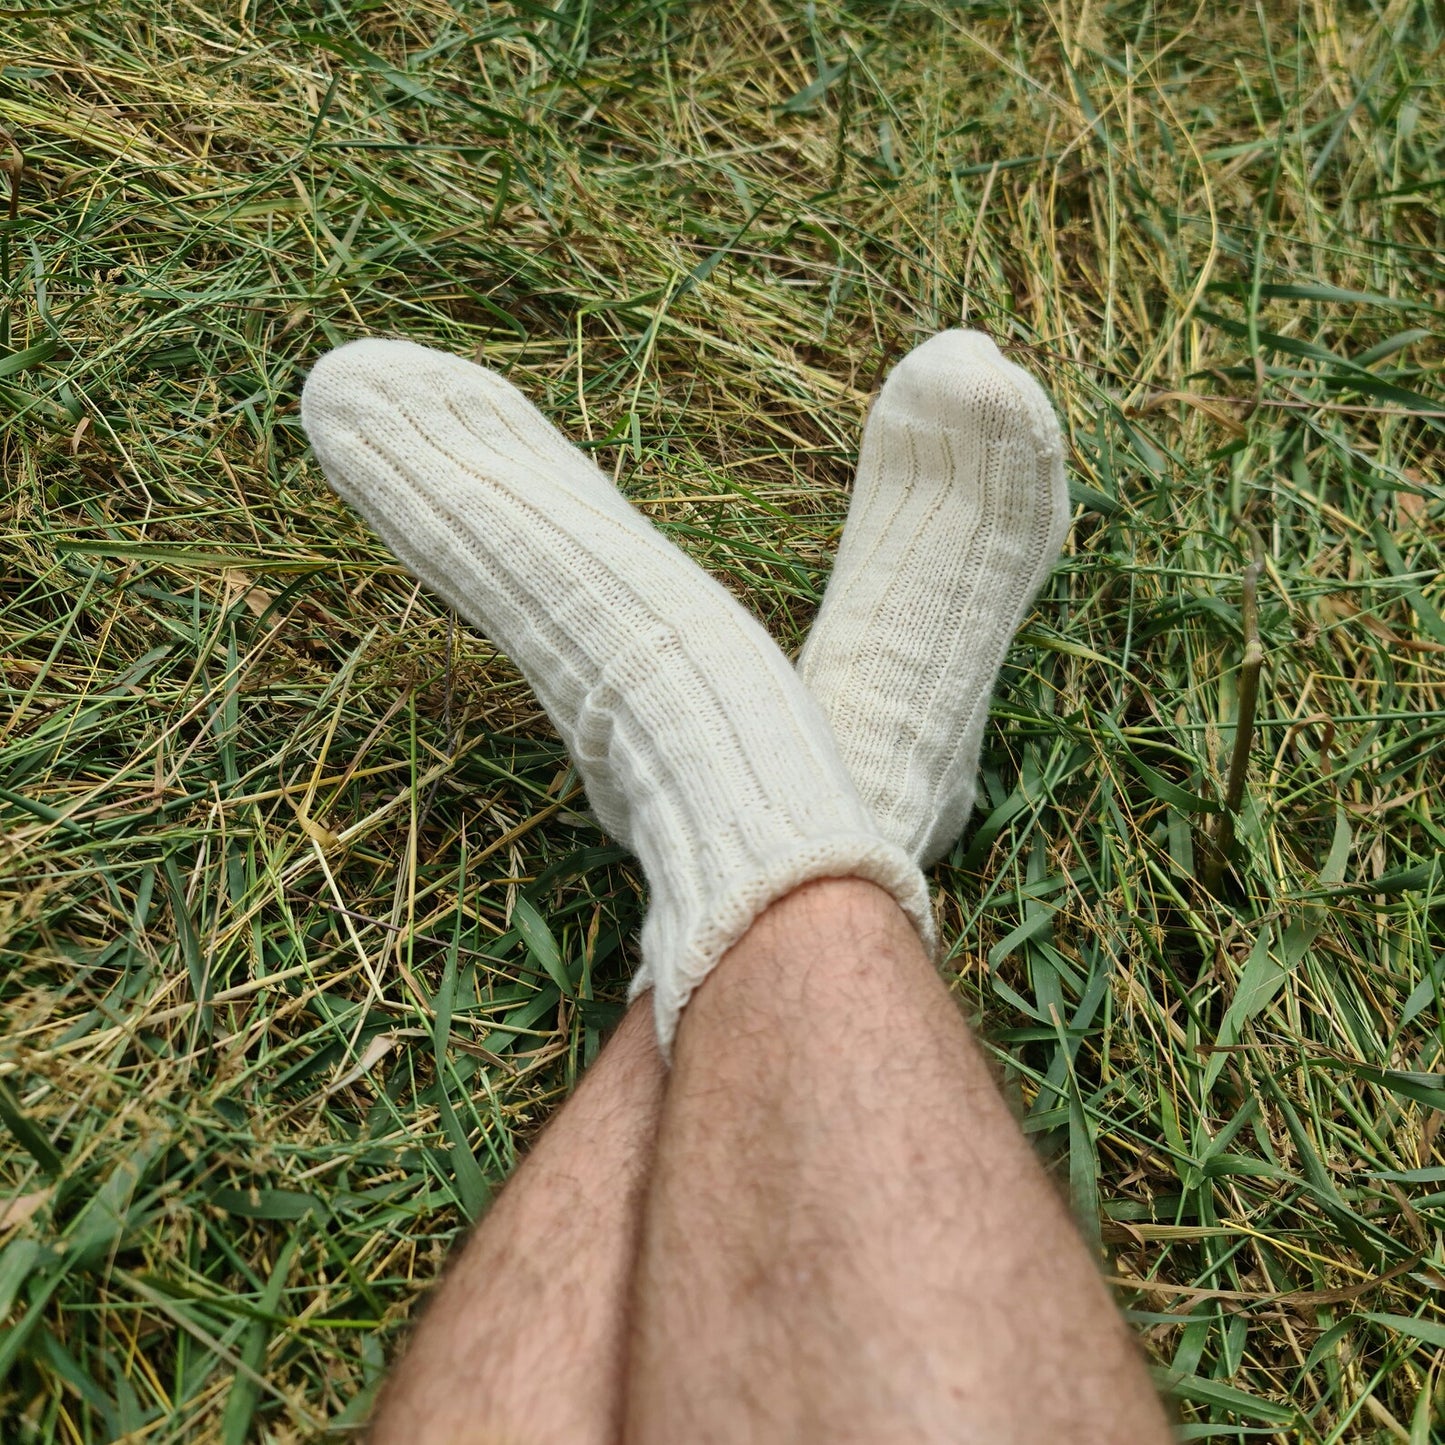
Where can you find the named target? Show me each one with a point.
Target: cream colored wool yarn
(957, 516)
(699, 746)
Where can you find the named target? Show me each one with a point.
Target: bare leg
(525, 1342)
(847, 1237)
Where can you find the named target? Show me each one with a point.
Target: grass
(303, 935)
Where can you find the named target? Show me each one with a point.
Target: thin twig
(1222, 844)
(13, 164)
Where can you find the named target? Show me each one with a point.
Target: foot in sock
(699, 746)
(957, 516)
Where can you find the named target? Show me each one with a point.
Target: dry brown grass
(257, 790)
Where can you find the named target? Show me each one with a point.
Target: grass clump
(303, 936)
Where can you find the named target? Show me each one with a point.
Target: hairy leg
(847, 1236)
(525, 1342)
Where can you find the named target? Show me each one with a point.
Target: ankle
(840, 935)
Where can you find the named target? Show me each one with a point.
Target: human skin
(847, 1237)
(525, 1340)
(822, 1225)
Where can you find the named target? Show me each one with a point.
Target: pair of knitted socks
(734, 777)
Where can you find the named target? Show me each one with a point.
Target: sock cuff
(680, 947)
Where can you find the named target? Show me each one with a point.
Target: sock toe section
(960, 381)
(379, 382)
(348, 383)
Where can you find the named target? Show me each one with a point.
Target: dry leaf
(24, 1206)
(371, 1055)
(256, 597)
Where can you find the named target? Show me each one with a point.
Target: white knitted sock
(699, 747)
(957, 516)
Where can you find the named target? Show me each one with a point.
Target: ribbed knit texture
(957, 516)
(699, 747)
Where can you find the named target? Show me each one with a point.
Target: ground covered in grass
(301, 933)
